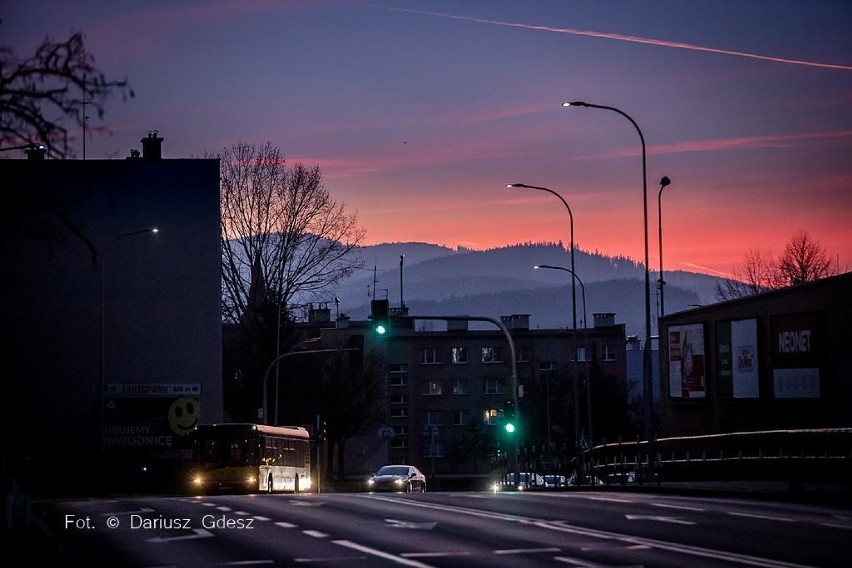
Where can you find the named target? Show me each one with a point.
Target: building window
(398, 399)
(401, 430)
(460, 417)
(432, 418)
(491, 386)
(399, 412)
(489, 416)
(398, 381)
(399, 443)
(491, 355)
(460, 386)
(429, 356)
(608, 353)
(433, 388)
(581, 354)
(545, 366)
(523, 354)
(397, 368)
(433, 450)
(459, 355)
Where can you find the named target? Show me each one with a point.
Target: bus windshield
(226, 452)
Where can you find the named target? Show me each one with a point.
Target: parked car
(405, 478)
(620, 477)
(551, 481)
(590, 480)
(527, 481)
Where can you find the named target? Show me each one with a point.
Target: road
(583, 528)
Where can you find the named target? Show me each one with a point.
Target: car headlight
(398, 481)
(371, 481)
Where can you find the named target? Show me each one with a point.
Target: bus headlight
(197, 480)
(251, 479)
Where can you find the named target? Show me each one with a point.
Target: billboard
(687, 373)
(736, 359)
(795, 356)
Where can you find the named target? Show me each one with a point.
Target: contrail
(619, 37)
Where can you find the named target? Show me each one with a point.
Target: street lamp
(648, 390)
(663, 183)
(588, 390)
(102, 259)
(575, 277)
(571, 217)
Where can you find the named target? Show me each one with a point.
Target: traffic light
(509, 420)
(381, 316)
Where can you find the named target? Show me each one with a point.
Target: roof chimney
(152, 146)
(36, 151)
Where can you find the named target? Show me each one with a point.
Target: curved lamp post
(588, 391)
(663, 183)
(571, 217)
(102, 260)
(648, 389)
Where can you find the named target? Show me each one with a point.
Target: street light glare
(575, 103)
(155, 230)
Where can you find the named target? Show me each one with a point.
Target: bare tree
(755, 275)
(282, 224)
(804, 260)
(59, 81)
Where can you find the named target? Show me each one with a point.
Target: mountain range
(434, 280)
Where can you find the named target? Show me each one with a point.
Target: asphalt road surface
(593, 529)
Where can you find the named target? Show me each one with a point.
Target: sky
(420, 112)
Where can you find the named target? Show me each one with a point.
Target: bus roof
(237, 427)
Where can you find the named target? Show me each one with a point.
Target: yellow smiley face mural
(183, 415)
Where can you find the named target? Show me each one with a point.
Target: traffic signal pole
(514, 366)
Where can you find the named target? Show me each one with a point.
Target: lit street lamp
(102, 260)
(663, 183)
(648, 390)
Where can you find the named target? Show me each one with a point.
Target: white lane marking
(608, 499)
(434, 554)
(658, 518)
(315, 534)
(260, 518)
(381, 554)
(197, 533)
(762, 517)
(285, 525)
(836, 526)
(206, 504)
(245, 563)
(223, 509)
(410, 524)
(241, 513)
(134, 512)
(526, 550)
(679, 507)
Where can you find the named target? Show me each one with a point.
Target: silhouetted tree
(804, 260)
(36, 93)
(284, 222)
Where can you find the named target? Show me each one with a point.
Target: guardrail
(820, 456)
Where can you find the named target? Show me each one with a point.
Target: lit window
(460, 386)
(491, 355)
(459, 355)
(489, 416)
(433, 388)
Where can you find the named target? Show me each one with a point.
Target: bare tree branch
(56, 81)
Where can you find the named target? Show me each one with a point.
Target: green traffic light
(510, 428)
(380, 329)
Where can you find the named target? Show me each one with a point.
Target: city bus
(250, 458)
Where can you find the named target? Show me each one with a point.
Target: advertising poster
(795, 356)
(737, 363)
(687, 373)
